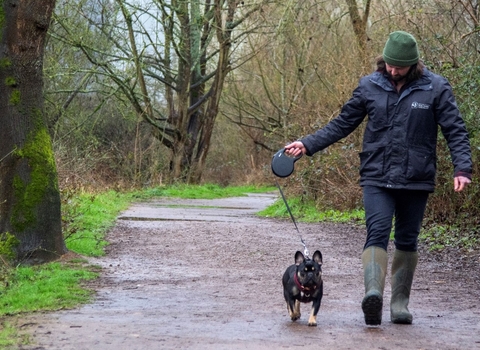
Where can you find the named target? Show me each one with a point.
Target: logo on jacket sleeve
(418, 105)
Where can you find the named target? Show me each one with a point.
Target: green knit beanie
(401, 49)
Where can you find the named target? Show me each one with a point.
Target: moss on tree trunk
(29, 193)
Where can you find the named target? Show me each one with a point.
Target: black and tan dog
(302, 283)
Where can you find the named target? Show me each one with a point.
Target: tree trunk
(359, 24)
(29, 193)
(210, 110)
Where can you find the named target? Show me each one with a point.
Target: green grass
(52, 286)
(10, 337)
(88, 217)
(306, 211)
(208, 191)
(439, 237)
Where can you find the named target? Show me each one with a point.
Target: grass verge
(439, 237)
(306, 211)
(433, 237)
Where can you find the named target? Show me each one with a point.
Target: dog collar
(303, 288)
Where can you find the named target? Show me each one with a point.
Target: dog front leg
(312, 320)
(293, 307)
(297, 310)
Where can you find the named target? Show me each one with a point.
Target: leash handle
(305, 250)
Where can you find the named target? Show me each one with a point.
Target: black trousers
(382, 205)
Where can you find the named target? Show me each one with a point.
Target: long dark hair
(415, 72)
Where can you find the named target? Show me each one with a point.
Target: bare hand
(459, 183)
(295, 149)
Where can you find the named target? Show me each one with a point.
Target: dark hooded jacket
(399, 143)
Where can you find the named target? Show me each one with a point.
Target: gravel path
(206, 274)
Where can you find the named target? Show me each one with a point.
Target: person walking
(405, 104)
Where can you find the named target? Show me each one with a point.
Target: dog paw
(294, 315)
(312, 321)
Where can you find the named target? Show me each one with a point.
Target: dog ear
(299, 258)
(317, 257)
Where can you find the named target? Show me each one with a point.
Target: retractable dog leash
(283, 166)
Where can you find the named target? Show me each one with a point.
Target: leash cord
(305, 251)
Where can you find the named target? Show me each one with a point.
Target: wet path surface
(206, 274)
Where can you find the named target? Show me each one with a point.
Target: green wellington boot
(403, 268)
(374, 261)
